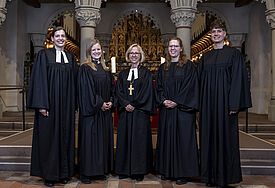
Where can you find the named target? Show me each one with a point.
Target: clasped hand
(129, 108)
(169, 104)
(44, 112)
(106, 106)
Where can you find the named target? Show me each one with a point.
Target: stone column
(38, 40)
(183, 18)
(270, 17)
(236, 40)
(87, 16)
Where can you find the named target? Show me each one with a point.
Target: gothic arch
(64, 10)
(136, 10)
(216, 13)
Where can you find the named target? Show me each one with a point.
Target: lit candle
(162, 60)
(113, 62)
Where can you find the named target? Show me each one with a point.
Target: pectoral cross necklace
(131, 89)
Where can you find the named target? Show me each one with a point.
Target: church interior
(26, 26)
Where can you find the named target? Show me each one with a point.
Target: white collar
(58, 56)
(135, 70)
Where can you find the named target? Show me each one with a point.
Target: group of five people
(218, 89)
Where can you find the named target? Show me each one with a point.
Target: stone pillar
(270, 17)
(87, 15)
(38, 40)
(183, 18)
(236, 40)
(3, 11)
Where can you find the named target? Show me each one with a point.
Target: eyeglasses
(134, 53)
(175, 46)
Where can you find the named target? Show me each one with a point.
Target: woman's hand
(106, 106)
(44, 112)
(169, 104)
(129, 108)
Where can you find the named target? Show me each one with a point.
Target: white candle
(113, 62)
(162, 60)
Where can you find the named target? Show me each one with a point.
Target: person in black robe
(177, 90)
(95, 98)
(224, 92)
(135, 95)
(52, 93)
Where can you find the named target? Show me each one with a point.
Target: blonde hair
(89, 59)
(142, 58)
(182, 57)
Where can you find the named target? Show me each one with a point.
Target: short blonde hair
(142, 58)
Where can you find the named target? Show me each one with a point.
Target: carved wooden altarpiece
(136, 28)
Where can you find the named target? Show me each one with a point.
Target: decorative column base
(271, 110)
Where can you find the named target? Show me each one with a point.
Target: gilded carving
(136, 28)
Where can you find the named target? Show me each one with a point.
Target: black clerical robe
(223, 88)
(95, 126)
(134, 140)
(53, 87)
(177, 152)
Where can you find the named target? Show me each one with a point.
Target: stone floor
(24, 180)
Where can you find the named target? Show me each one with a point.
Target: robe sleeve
(89, 103)
(37, 94)
(159, 86)
(144, 98)
(239, 95)
(75, 70)
(112, 95)
(121, 99)
(187, 96)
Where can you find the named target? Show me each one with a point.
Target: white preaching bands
(135, 70)
(58, 57)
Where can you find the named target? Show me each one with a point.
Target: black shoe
(85, 179)
(101, 177)
(139, 177)
(65, 180)
(163, 178)
(210, 184)
(49, 183)
(181, 181)
(122, 177)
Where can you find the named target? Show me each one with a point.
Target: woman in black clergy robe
(177, 92)
(96, 95)
(135, 96)
(52, 93)
(224, 92)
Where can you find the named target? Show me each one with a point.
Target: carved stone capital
(38, 39)
(183, 17)
(270, 17)
(3, 12)
(183, 3)
(87, 16)
(236, 39)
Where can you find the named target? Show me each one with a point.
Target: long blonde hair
(182, 57)
(89, 59)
